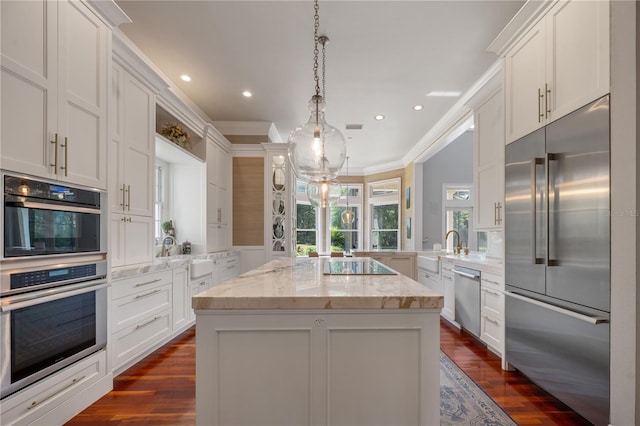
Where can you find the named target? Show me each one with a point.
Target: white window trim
(448, 205)
(379, 200)
(353, 202)
(165, 204)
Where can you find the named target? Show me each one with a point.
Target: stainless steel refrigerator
(557, 252)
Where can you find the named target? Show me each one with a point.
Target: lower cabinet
(449, 292)
(430, 279)
(58, 397)
(181, 298)
(229, 267)
(196, 286)
(141, 315)
(492, 311)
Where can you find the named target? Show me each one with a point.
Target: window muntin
(458, 211)
(306, 238)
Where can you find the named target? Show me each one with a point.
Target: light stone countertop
(299, 283)
(165, 263)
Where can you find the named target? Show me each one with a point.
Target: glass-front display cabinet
(278, 198)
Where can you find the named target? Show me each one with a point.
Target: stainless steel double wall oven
(53, 284)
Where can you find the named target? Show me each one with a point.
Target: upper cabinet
(559, 65)
(55, 62)
(489, 163)
(218, 196)
(132, 145)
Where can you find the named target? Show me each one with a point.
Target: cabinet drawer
(138, 283)
(35, 401)
(137, 338)
(492, 332)
(199, 286)
(492, 280)
(134, 308)
(491, 302)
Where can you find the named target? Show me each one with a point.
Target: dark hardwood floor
(160, 390)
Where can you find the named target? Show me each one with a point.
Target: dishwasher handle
(472, 275)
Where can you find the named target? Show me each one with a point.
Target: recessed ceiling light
(247, 94)
(185, 77)
(444, 94)
(417, 107)
(379, 117)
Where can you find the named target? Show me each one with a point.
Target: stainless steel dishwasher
(467, 290)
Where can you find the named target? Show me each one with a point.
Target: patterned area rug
(462, 402)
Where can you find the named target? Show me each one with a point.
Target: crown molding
(127, 54)
(111, 13)
(528, 15)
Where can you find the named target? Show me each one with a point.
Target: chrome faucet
(459, 246)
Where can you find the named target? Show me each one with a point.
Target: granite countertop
(300, 283)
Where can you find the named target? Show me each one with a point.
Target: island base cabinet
(317, 367)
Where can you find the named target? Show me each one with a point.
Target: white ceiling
(383, 57)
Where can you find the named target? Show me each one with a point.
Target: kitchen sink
(430, 262)
(200, 267)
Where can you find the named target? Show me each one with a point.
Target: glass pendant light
(348, 216)
(324, 193)
(317, 149)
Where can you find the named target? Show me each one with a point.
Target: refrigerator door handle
(535, 212)
(586, 318)
(552, 202)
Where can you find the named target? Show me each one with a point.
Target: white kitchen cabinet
(489, 163)
(55, 57)
(492, 311)
(181, 302)
(229, 267)
(449, 292)
(218, 197)
(130, 239)
(559, 65)
(197, 286)
(140, 316)
(58, 397)
(132, 145)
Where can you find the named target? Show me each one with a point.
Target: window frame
(355, 201)
(161, 198)
(458, 205)
(380, 200)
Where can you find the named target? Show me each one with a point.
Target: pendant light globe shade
(348, 216)
(317, 149)
(324, 194)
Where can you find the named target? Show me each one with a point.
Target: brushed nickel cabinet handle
(55, 153)
(139, 326)
(128, 197)
(540, 114)
(491, 320)
(547, 101)
(123, 194)
(140, 296)
(66, 156)
(34, 404)
(148, 282)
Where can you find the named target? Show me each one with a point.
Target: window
(384, 211)
(306, 222)
(161, 207)
(346, 236)
(458, 209)
(311, 231)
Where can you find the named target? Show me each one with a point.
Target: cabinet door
(524, 84)
(115, 149)
(449, 292)
(139, 147)
(29, 84)
(139, 239)
(489, 163)
(82, 101)
(181, 301)
(117, 227)
(404, 264)
(578, 52)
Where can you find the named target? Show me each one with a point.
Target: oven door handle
(17, 202)
(38, 297)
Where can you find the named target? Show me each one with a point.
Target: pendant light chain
(316, 26)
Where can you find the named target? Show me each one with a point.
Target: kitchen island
(318, 341)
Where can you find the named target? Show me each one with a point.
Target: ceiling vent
(354, 126)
